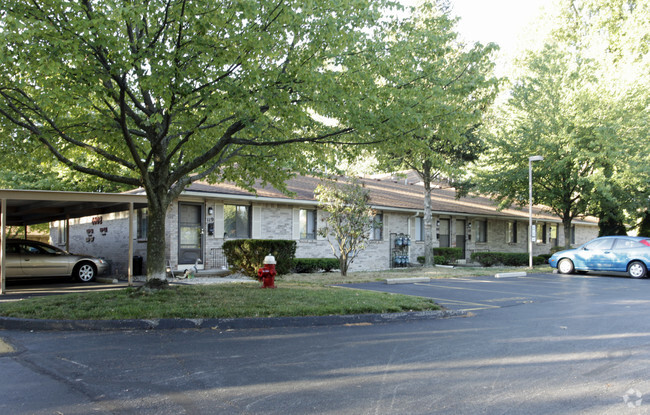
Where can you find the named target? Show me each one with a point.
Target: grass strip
(214, 301)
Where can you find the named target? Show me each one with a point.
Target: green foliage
(579, 99)
(248, 254)
(160, 95)
(348, 221)
(309, 265)
(555, 249)
(449, 255)
(517, 259)
(426, 55)
(644, 225)
(214, 301)
(437, 259)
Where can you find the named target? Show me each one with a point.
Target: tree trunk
(566, 223)
(428, 227)
(343, 265)
(156, 237)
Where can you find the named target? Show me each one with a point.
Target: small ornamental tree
(349, 219)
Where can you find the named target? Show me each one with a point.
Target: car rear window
(631, 243)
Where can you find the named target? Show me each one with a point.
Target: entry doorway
(460, 235)
(190, 234)
(443, 234)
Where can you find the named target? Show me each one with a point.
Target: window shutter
(295, 229)
(257, 222)
(218, 220)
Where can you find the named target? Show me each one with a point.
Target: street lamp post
(530, 207)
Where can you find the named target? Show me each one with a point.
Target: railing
(218, 259)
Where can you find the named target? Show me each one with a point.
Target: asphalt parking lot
(40, 287)
(483, 293)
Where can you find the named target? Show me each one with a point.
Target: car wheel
(565, 266)
(84, 272)
(637, 269)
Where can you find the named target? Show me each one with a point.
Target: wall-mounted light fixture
(210, 211)
(437, 223)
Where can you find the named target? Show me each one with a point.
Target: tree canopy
(162, 94)
(572, 102)
(461, 80)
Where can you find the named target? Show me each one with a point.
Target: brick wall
(106, 236)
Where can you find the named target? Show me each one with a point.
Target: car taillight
(645, 242)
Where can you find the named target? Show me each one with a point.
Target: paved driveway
(581, 345)
(481, 293)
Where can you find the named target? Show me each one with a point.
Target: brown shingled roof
(387, 194)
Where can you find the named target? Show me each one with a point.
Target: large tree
(580, 101)
(348, 221)
(161, 94)
(551, 112)
(463, 88)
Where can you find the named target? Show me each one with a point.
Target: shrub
(437, 259)
(306, 265)
(248, 254)
(540, 260)
(555, 249)
(486, 259)
(515, 259)
(450, 255)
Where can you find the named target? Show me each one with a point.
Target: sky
(498, 21)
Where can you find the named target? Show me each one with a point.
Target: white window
(237, 221)
(481, 231)
(553, 237)
(307, 224)
(419, 229)
(512, 232)
(541, 233)
(377, 233)
(143, 224)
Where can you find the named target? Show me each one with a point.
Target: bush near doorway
(449, 255)
(248, 255)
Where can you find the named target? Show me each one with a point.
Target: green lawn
(214, 301)
(295, 295)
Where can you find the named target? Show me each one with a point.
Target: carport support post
(530, 207)
(130, 267)
(3, 243)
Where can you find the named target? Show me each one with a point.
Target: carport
(30, 207)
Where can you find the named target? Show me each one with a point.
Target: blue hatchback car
(629, 254)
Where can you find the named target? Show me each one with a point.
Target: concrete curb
(392, 281)
(10, 323)
(511, 274)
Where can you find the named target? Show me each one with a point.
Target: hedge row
(307, 265)
(487, 259)
(449, 255)
(248, 255)
(437, 259)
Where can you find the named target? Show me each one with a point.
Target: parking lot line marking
(5, 348)
(482, 290)
(458, 302)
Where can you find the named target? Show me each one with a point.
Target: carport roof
(29, 207)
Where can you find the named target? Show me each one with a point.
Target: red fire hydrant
(267, 272)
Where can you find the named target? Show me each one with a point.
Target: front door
(443, 236)
(190, 234)
(460, 236)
